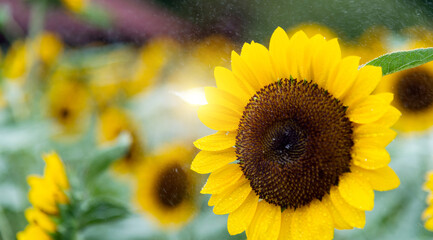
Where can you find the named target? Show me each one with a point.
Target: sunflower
(428, 213)
(112, 122)
(68, 99)
(301, 142)
(45, 195)
(413, 91)
(164, 186)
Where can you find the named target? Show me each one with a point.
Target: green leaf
(101, 211)
(103, 158)
(398, 61)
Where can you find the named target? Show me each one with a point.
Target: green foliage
(399, 61)
(103, 158)
(101, 211)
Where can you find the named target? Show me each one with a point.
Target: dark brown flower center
(171, 186)
(414, 91)
(294, 142)
(64, 113)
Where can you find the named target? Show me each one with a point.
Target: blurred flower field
(113, 112)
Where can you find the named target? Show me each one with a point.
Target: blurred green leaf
(398, 61)
(103, 158)
(4, 14)
(101, 211)
(97, 15)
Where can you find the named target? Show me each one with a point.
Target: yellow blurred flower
(413, 90)
(32, 232)
(114, 121)
(165, 186)
(15, 62)
(150, 64)
(68, 99)
(46, 193)
(76, 6)
(106, 81)
(49, 47)
(370, 45)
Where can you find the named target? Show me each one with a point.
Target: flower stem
(5, 227)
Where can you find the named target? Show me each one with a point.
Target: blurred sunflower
(301, 142)
(106, 80)
(165, 186)
(75, 6)
(150, 64)
(15, 61)
(428, 212)
(371, 44)
(48, 47)
(68, 99)
(112, 122)
(413, 91)
(45, 194)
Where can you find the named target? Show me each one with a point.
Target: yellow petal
(241, 218)
(243, 72)
(313, 46)
(286, 222)
(324, 61)
(40, 219)
(356, 192)
(339, 221)
(428, 213)
(218, 117)
(220, 97)
(225, 80)
(370, 157)
(266, 222)
(429, 224)
(45, 195)
(428, 185)
(381, 179)
(312, 221)
(343, 76)
(295, 53)
(365, 83)
(278, 51)
(257, 58)
(216, 142)
(373, 135)
(390, 117)
(233, 199)
(222, 178)
(55, 171)
(32, 232)
(354, 217)
(216, 198)
(206, 162)
(371, 109)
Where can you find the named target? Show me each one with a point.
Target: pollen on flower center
(171, 186)
(294, 141)
(414, 91)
